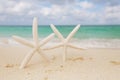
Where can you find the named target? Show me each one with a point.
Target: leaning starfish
(65, 41)
(36, 45)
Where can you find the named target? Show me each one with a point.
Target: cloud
(54, 10)
(22, 6)
(18, 8)
(54, 2)
(60, 11)
(106, 2)
(84, 16)
(85, 4)
(111, 14)
(13, 7)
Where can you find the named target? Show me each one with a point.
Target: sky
(60, 12)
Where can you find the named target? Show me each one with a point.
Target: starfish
(65, 41)
(36, 46)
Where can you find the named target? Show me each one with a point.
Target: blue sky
(60, 12)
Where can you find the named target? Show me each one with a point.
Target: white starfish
(65, 41)
(36, 45)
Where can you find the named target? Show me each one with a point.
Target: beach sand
(90, 64)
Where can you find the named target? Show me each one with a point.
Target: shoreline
(85, 43)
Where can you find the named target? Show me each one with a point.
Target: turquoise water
(91, 36)
(85, 31)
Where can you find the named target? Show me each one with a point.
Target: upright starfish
(65, 41)
(36, 45)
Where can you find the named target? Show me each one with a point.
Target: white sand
(91, 64)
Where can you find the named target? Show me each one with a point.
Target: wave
(86, 43)
(98, 43)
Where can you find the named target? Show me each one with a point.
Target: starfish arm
(53, 47)
(35, 31)
(73, 32)
(57, 32)
(27, 59)
(44, 41)
(43, 55)
(23, 41)
(76, 47)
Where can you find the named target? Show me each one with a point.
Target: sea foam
(87, 43)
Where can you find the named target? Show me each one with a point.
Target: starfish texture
(36, 46)
(65, 41)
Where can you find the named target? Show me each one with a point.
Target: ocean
(93, 36)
